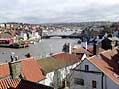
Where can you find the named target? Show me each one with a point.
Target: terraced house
(57, 69)
(24, 74)
(47, 73)
(100, 71)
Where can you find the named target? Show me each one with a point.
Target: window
(79, 81)
(86, 68)
(94, 84)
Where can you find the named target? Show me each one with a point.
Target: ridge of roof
(58, 61)
(106, 66)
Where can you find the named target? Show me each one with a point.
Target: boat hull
(13, 46)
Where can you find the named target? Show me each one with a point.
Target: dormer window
(86, 67)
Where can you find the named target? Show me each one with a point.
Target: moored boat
(6, 42)
(9, 42)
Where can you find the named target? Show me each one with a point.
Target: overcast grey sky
(46, 11)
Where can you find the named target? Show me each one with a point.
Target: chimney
(15, 69)
(5, 26)
(12, 56)
(84, 44)
(16, 58)
(95, 48)
(70, 48)
(66, 48)
(113, 43)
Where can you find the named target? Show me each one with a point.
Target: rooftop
(58, 61)
(9, 83)
(4, 70)
(108, 63)
(81, 50)
(30, 70)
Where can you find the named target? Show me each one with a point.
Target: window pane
(94, 84)
(79, 81)
(86, 68)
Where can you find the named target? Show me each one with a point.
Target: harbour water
(38, 50)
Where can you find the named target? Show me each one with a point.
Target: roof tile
(31, 70)
(4, 70)
(107, 63)
(5, 83)
(58, 61)
(20, 84)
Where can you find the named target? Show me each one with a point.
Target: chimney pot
(95, 49)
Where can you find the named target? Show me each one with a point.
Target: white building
(57, 67)
(97, 72)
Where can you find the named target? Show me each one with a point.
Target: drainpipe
(102, 81)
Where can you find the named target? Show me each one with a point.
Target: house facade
(84, 74)
(57, 77)
(95, 73)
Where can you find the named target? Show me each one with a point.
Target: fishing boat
(9, 42)
(6, 42)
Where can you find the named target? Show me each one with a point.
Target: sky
(51, 11)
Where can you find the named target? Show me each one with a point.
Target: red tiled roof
(81, 50)
(58, 61)
(31, 70)
(21, 84)
(4, 70)
(67, 56)
(91, 50)
(24, 84)
(107, 63)
(5, 83)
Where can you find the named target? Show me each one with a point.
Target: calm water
(38, 50)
